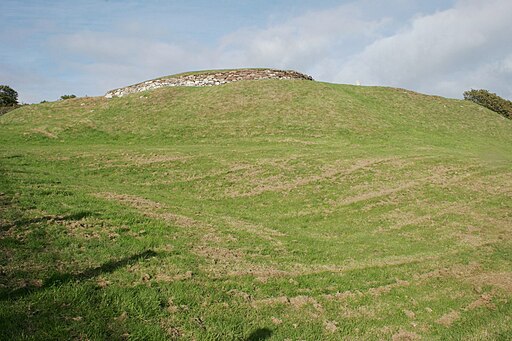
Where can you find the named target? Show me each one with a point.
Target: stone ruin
(208, 79)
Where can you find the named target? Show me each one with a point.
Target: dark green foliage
(67, 96)
(8, 96)
(490, 101)
(8, 99)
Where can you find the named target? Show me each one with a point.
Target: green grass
(253, 211)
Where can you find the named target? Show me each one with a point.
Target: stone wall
(209, 79)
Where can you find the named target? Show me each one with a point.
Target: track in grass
(256, 210)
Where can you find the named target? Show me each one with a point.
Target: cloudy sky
(54, 47)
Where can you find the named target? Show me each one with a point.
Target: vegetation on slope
(490, 101)
(256, 210)
(8, 99)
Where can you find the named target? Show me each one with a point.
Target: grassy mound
(256, 210)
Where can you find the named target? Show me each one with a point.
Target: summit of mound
(208, 78)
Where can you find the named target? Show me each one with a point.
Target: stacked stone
(209, 79)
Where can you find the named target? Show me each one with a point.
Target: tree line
(9, 99)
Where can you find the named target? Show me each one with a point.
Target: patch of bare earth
(359, 312)
(349, 200)
(409, 313)
(276, 321)
(330, 326)
(222, 262)
(124, 160)
(501, 280)
(88, 228)
(229, 172)
(342, 296)
(143, 160)
(448, 319)
(497, 184)
(459, 271)
(485, 300)
(132, 200)
(400, 218)
(222, 257)
(291, 140)
(256, 229)
(472, 273)
(387, 288)
(296, 303)
(44, 132)
(404, 335)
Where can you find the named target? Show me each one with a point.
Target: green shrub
(490, 101)
(67, 97)
(8, 96)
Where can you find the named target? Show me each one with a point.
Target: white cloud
(302, 42)
(440, 53)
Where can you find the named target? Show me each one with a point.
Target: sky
(53, 48)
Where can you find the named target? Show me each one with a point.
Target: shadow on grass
(59, 279)
(259, 334)
(50, 218)
(19, 222)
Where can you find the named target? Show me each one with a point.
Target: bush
(490, 101)
(67, 97)
(8, 96)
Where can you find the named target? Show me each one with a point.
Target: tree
(8, 96)
(67, 97)
(490, 101)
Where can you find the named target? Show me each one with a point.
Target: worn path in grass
(256, 210)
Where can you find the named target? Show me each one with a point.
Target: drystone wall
(209, 79)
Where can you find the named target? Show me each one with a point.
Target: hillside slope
(262, 109)
(256, 210)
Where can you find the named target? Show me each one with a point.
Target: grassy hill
(256, 210)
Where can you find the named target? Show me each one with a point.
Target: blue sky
(52, 48)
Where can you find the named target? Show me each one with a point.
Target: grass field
(259, 210)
